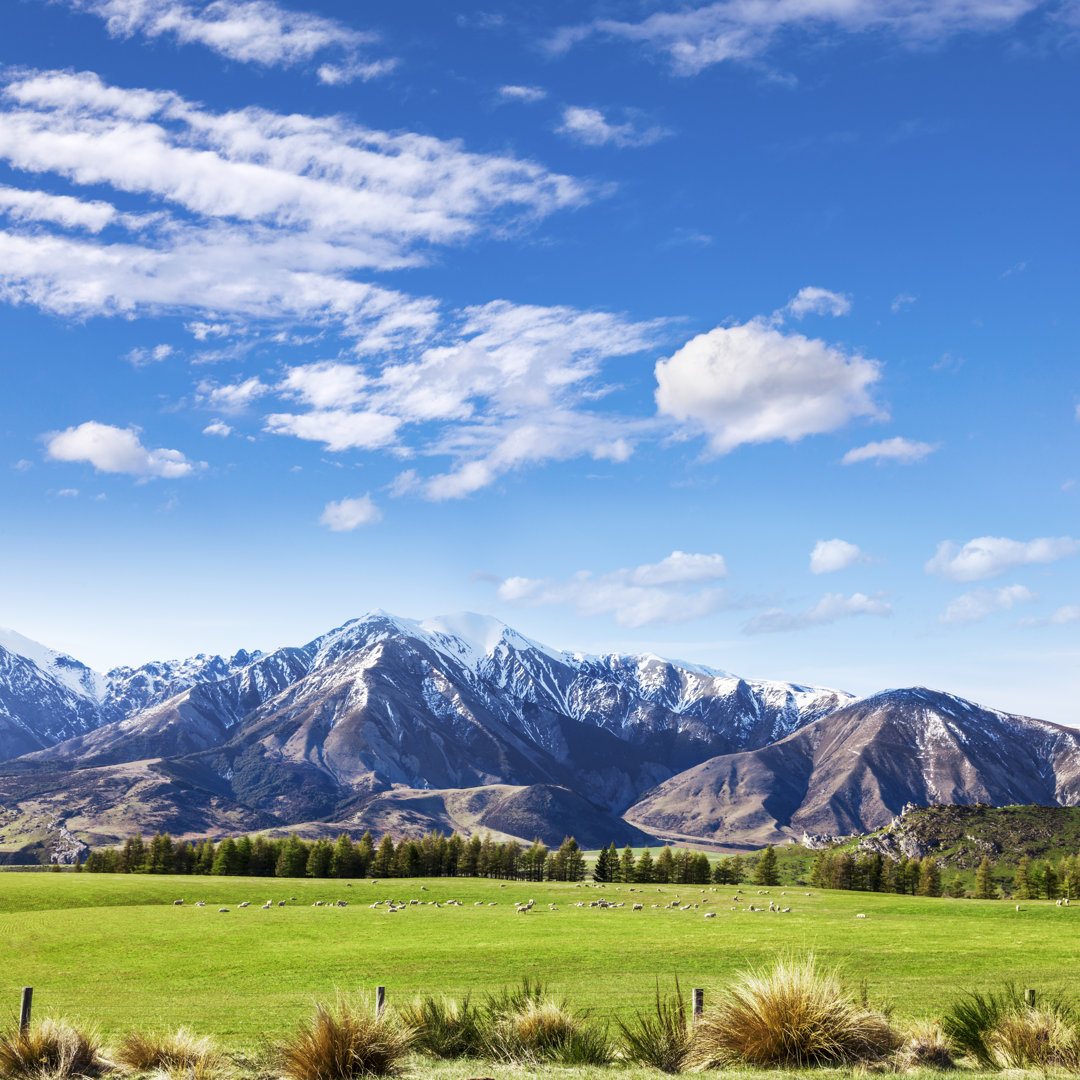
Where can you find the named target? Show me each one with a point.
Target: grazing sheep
(493, 903)
(266, 905)
(343, 903)
(246, 903)
(177, 903)
(785, 910)
(223, 909)
(638, 907)
(348, 885)
(281, 903)
(710, 914)
(1017, 907)
(860, 916)
(318, 903)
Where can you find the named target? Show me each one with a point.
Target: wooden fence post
(699, 1003)
(1029, 998)
(380, 1000)
(24, 1009)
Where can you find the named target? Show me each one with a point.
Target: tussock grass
(179, 1053)
(49, 1049)
(790, 1014)
(925, 1046)
(344, 1040)
(662, 1038)
(444, 1027)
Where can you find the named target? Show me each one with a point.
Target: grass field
(114, 951)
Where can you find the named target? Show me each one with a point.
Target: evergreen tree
(765, 873)
(344, 859)
(738, 871)
(204, 856)
(383, 863)
(133, 857)
(365, 854)
(226, 859)
(470, 857)
(645, 868)
(1021, 880)
(627, 865)
(956, 888)
(602, 867)
(665, 866)
(160, 857)
(700, 870)
(929, 877)
(1050, 881)
(184, 858)
(244, 848)
(318, 861)
(264, 856)
(292, 859)
(721, 874)
(984, 880)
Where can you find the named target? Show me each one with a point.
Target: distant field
(114, 949)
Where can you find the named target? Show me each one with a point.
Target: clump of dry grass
(925, 1045)
(179, 1053)
(344, 1040)
(791, 1014)
(1039, 1038)
(49, 1049)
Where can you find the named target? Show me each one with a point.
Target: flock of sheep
(602, 902)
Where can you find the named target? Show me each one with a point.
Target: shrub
(924, 1046)
(1001, 1030)
(345, 1040)
(660, 1039)
(179, 1053)
(444, 1028)
(792, 1015)
(49, 1048)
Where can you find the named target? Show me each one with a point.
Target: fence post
(380, 1000)
(1029, 998)
(24, 1009)
(699, 1003)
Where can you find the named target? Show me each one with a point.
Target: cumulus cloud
(662, 592)
(528, 95)
(234, 398)
(830, 608)
(337, 429)
(116, 450)
(829, 556)
(350, 514)
(990, 556)
(898, 450)
(978, 604)
(694, 38)
(812, 300)
(249, 31)
(591, 127)
(754, 382)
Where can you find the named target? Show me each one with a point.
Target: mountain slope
(855, 769)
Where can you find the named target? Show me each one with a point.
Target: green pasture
(114, 950)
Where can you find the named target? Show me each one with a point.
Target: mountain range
(462, 723)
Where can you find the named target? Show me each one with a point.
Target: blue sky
(741, 332)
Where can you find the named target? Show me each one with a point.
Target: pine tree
(133, 857)
(344, 861)
(984, 880)
(365, 854)
(292, 860)
(160, 857)
(627, 865)
(383, 863)
(929, 877)
(1021, 880)
(204, 856)
(765, 873)
(318, 860)
(665, 866)
(602, 867)
(721, 874)
(645, 868)
(1050, 881)
(738, 871)
(226, 860)
(956, 888)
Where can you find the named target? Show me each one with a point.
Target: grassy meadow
(114, 951)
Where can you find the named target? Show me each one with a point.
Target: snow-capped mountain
(367, 718)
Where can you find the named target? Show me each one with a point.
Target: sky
(741, 332)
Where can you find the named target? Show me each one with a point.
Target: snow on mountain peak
(65, 669)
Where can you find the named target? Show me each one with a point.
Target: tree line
(680, 866)
(870, 871)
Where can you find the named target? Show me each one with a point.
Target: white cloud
(218, 428)
(251, 215)
(899, 450)
(326, 384)
(978, 604)
(901, 301)
(63, 210)
(744, 31)
(23, 465)
(525, 94)
(233, 398)
(812, 300)
(829, 556)
(830, 608)
(591, 127)
(365, 71)
(338, 429)
(116, 450)
(990, 556)
(140, 357)
(1070, 613)
(249, 31)
(637, 596)
(753, 383)
(68, 493)
(349, 514)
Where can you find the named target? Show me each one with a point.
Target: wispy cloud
(813, 300)
(902, 301)
(669, 591)
(591, 127)
(743, 31)
(527, 95)
(829, 609)
(899, 451)
(990, 556)
(1065, 615)
(248, 31)
(979, 603)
